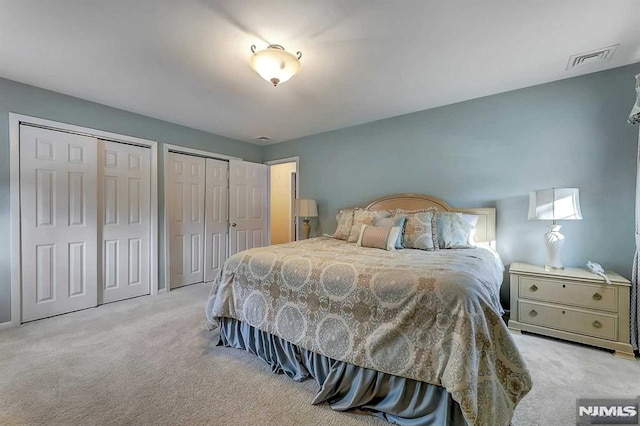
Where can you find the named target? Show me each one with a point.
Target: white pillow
(471, 219)
(453, 231)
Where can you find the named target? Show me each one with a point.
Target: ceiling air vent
(262, 138)
(595, 56)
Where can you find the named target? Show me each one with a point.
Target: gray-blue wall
(485, 152)
(490, 152)
(35, 102)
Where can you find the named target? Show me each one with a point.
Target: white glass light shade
(555, 204)
(275, 64)
(306, 208)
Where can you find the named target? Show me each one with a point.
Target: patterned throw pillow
(381, 237)
(389, 222)
(420, 231)
(453, 230)
(364, 217)
(345, 222)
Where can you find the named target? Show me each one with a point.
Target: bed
(413, 336)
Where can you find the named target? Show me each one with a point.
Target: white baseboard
(6, 325)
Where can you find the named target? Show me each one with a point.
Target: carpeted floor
(151, 361)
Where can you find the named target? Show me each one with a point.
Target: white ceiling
(187, 61)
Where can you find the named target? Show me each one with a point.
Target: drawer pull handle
(533, 288)
(597, 296)
(597, 324)
(533, 313)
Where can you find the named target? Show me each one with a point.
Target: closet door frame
(15, 120)
(270, 163)
(166, 148)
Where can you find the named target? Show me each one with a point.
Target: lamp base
(554, 242)
(306, 229)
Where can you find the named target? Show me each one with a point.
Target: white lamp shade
(275, 64)
(306, 208)
(555, 204)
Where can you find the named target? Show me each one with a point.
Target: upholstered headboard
(485, 228)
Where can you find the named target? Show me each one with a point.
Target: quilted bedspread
(432, 316)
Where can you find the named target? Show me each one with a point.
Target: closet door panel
(125, 215)
(185, 204)
(58, 203)
(216, 217)
(247, 205)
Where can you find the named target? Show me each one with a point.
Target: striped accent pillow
(380, 237)
(390, 222)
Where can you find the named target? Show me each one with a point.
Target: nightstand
(572, 304)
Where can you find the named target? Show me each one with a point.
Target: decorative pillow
(345, 222)
(420, 231)
(452, 230)
(472, 219)
(381, 237)
(397, 220)
(364, 217)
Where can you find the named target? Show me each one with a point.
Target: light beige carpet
(151, 361)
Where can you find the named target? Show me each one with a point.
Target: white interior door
(247, 205)
(124, 188)
(185, 196)
(216, 217)
(58, 203)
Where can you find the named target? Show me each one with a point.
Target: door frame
(166, 148)
(14, 198)
(270, 163)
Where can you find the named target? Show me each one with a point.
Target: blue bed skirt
(345, 386)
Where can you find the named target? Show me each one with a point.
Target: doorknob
(234, 224)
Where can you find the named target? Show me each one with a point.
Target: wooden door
(185, 196)
(58, 203)
(124, 188)
(247, 205)
(216, 245)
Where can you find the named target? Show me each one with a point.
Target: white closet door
(124, 188)
(247, 205)
(216, 217)
(58, 181)
(186, 219)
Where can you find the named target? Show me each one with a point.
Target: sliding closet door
(216, 217)
(124, 188)
(247, 205)
(185, 201)
(58, 201)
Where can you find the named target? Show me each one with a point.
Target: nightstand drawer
(574, 320)
(566, 292)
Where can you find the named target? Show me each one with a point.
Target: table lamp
(554, 204)
(306, 208)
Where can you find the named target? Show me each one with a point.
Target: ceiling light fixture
(275, 64)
